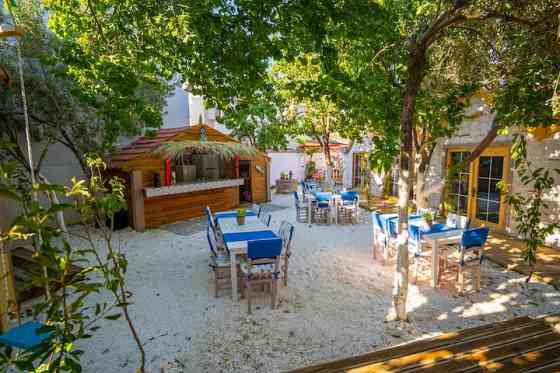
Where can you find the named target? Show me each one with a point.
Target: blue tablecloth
(249, 236)
(390, 222)
(323, 196)
(232, 214)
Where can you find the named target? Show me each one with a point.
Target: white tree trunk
(400, 288)
(421, 195)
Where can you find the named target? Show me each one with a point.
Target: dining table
(332, 198)
(435, 236)
(236, 236)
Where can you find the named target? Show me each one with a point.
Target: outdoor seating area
(326, 207)
(249, 252)
(439, 247)
(298, 295)
(305, 187)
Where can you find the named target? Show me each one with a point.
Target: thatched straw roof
(226, 150)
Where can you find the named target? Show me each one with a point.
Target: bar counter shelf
(191, 187)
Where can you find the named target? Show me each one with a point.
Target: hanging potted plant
(241, 213)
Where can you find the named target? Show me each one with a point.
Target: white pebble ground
(336, 304)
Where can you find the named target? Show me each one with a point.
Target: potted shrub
(428, 218)
(241, 213)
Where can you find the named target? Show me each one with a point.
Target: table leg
(233, 260)
(374, 244)
(435, 262)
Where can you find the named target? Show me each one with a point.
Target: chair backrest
(264, 249)
(457, 221)
(474, 238)
(464, 222)
(258, 210)
(211, 221)
(323, 196)
(392, 226)
(311, 187)
(286, 233)
(212, 240)
(452, 220)
(376, 220)
(414, 233)
(349, 196)
(266, 219)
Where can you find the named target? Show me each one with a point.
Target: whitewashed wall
(542, 153)
(59, 167)
(176, 109)
(286, 162)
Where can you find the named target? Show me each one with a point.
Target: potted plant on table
(241, 213)
(428, 218)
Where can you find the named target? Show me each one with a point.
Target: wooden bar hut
(173, 175)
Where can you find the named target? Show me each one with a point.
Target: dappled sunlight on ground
(338, 303)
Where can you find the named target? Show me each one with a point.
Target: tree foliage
(73, 272)
(531, 206)
(77, 97)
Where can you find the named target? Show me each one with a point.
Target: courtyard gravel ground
(337, 304)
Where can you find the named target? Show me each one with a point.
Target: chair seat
(25, 336)
(454, 256)
(258, 270)
(221, 260)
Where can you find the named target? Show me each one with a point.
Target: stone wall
(478, 122)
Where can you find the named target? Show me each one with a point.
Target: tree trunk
(328, 166)
(400, 291)
(421, 195)
(440, 188)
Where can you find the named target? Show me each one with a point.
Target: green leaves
(66, 269)
(530, 207)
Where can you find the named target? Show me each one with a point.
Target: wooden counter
(179, 202)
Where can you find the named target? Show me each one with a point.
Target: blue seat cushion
(25, 336)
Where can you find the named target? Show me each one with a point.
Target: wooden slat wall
(149, 165)
(177, 207)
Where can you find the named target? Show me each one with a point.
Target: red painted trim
(167, 172)
(237, 167)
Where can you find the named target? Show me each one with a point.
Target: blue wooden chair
(210, 217)
(286, 233)
(301, 209)
(379, 237)
(219, 263)
(457, 221)
(262, 267)
(467, 256)
(417, 251)
(259, 210)
(321, 211)
(348, 207)
(27, 336)
(266, 219)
